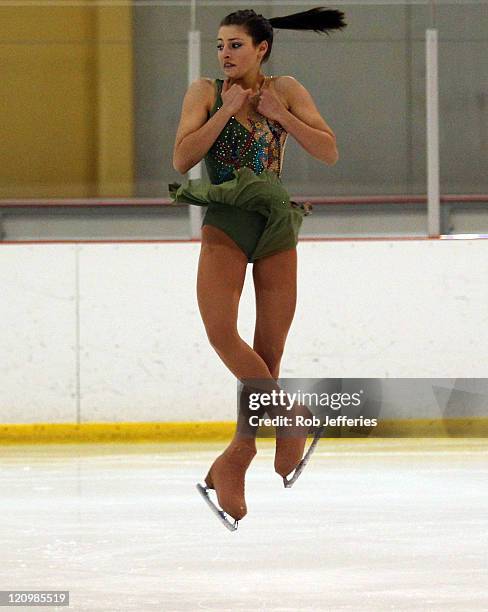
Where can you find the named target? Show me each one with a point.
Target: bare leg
(221, 274)
(275, 282)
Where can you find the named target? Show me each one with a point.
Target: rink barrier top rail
(315, 200)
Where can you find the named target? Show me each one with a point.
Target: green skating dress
(245, 197)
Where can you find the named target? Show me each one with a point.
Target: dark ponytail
(318, 19)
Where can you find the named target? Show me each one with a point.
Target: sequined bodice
(259, 148)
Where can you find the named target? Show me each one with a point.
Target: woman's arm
(195, 135)
(304, 122)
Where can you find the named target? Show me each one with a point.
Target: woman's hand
(270, 105)
(234, 97)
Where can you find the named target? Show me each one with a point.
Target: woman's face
(235, 46)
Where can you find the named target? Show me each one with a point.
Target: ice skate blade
(289, 482)
(221, 515)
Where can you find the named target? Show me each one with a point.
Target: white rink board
(38, 341)
(386, 309)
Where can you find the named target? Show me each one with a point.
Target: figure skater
(239, 125)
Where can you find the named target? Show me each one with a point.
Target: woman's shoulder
(206, 89)
(203, 85)
(208, 82)
(283, 85)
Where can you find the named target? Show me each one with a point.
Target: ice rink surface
(371, 525)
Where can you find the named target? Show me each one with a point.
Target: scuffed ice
(369, 526)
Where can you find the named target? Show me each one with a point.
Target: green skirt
(256, 193)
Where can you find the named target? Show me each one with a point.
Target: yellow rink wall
(211, 431)
(67, 101)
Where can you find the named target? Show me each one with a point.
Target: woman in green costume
(239, 126)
